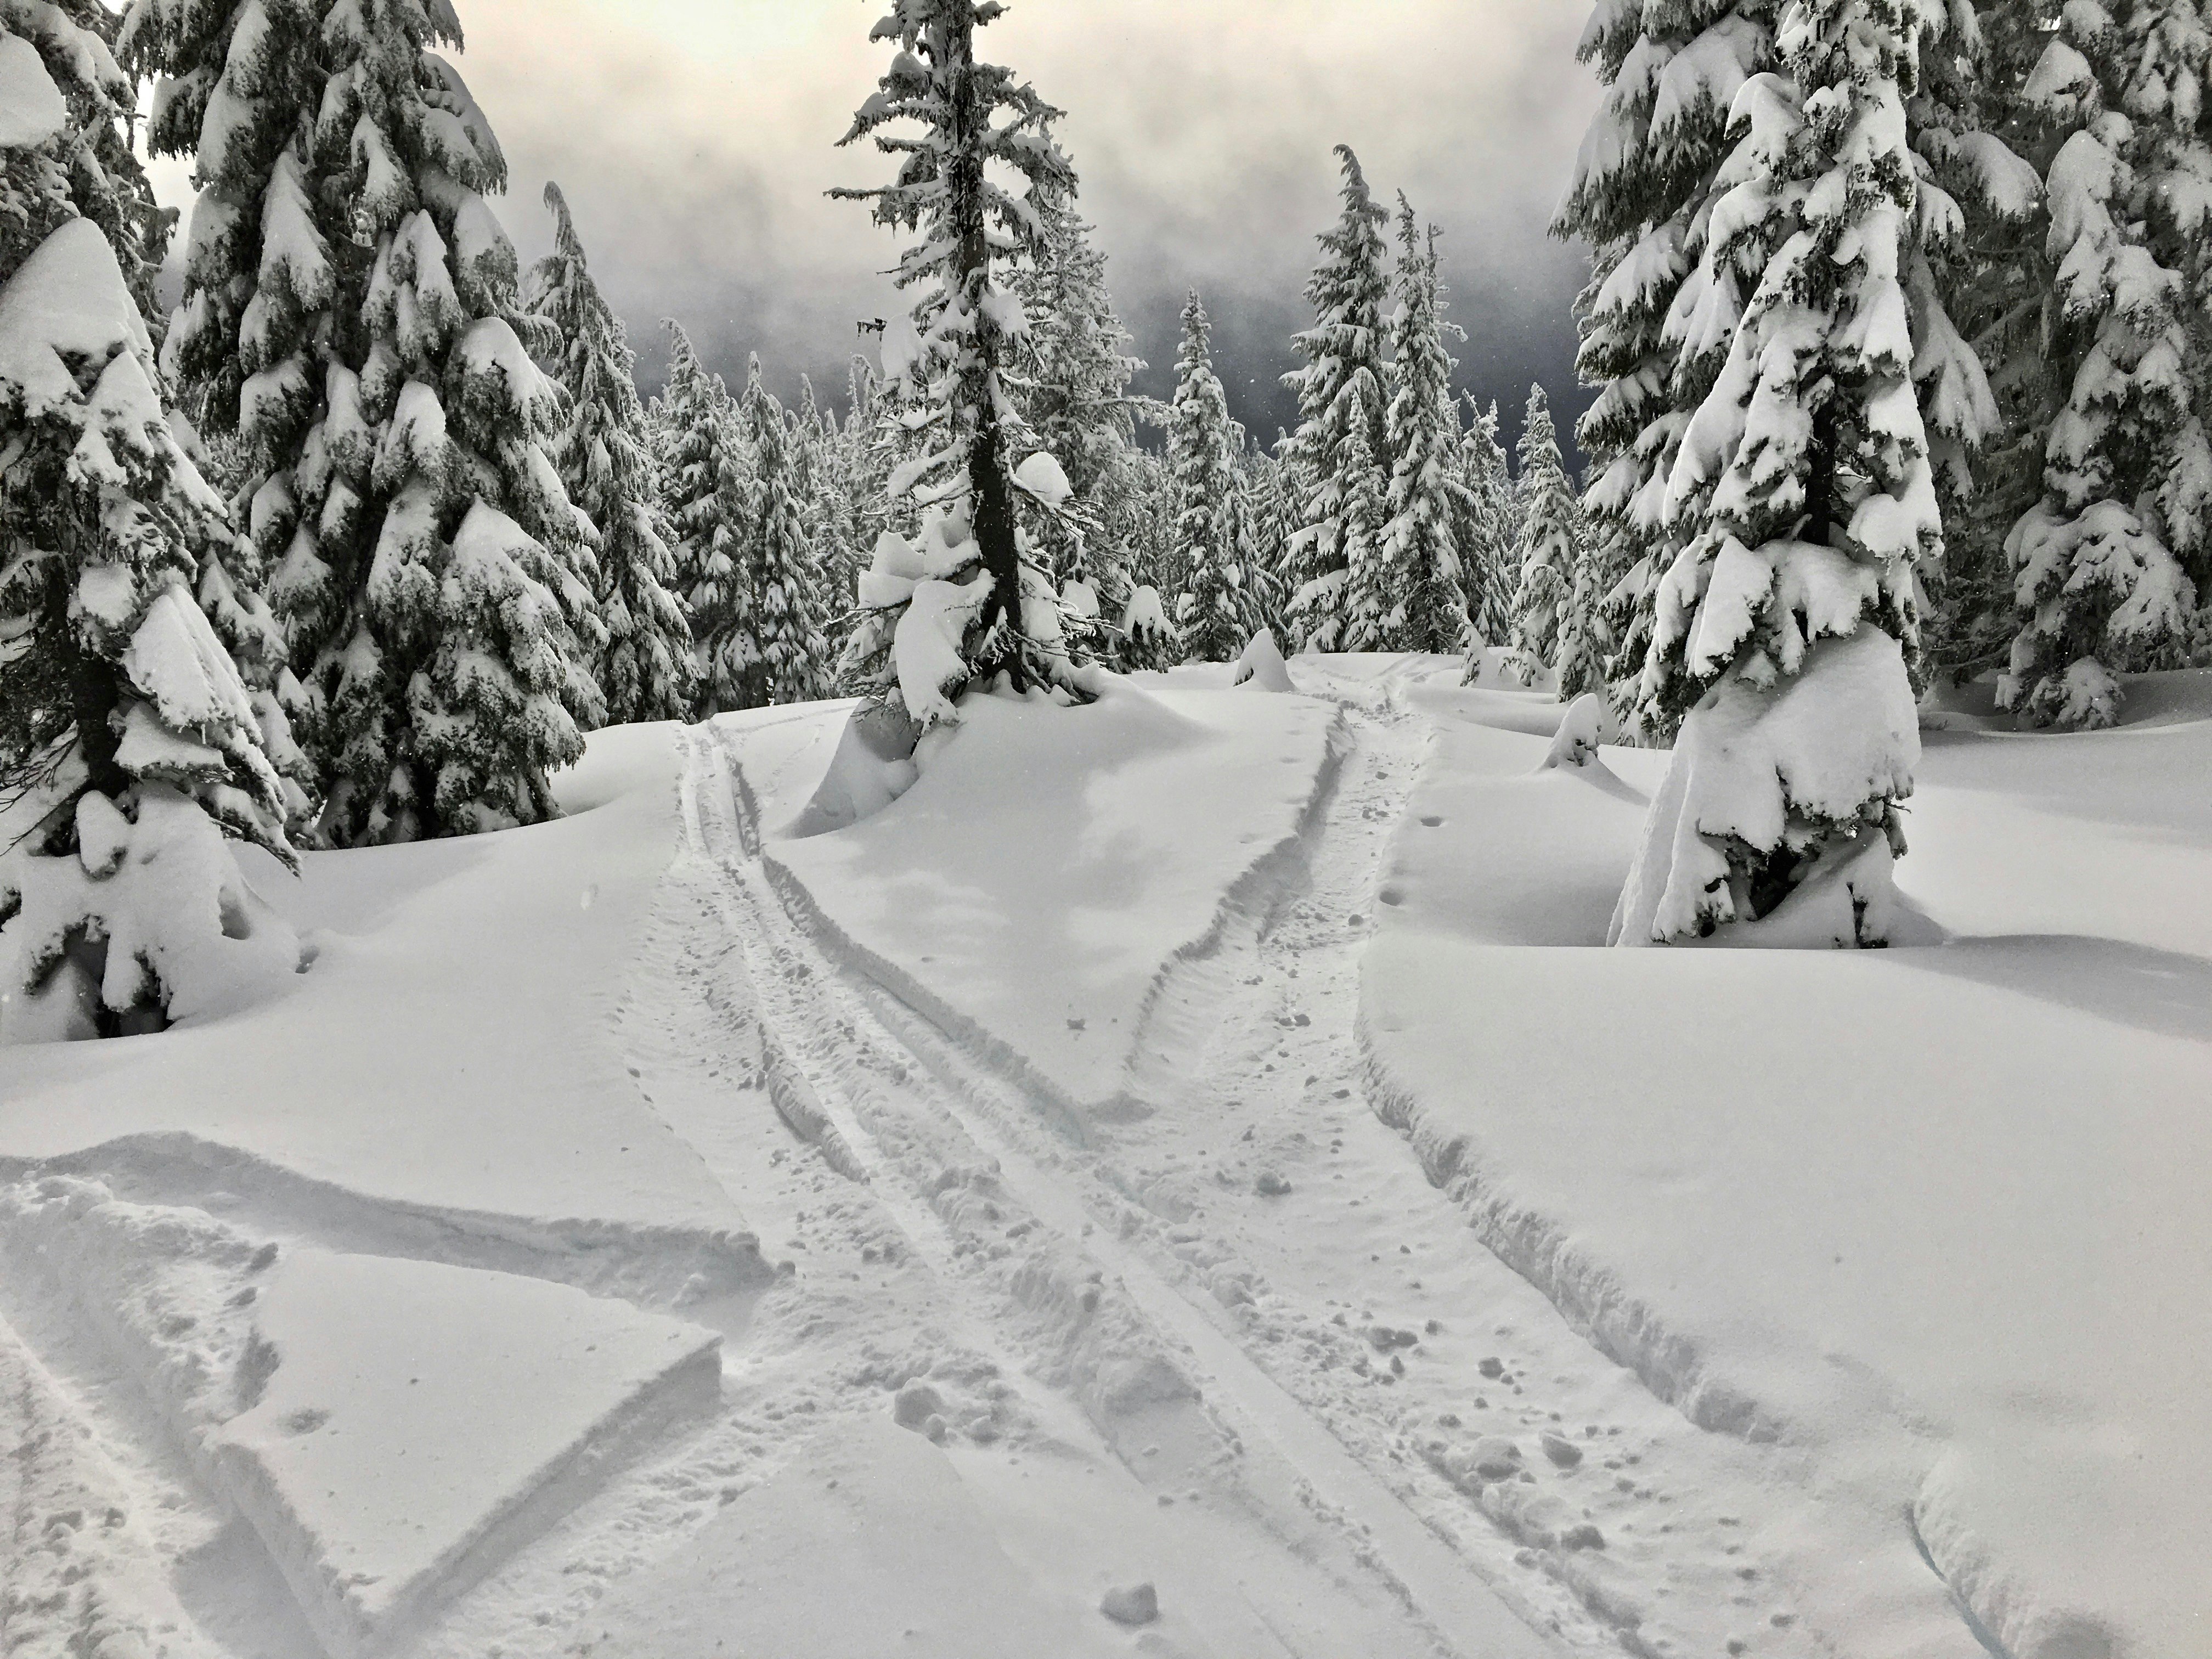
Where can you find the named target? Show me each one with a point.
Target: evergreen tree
(1211, 612)
(1075, 395)
(1343, 373)
(606, 464)
(982, 610)
(350, 310)
(1665, 293)
(708, 482)
(791, 663)
(1548, 550)
(1426, 608)
(1782, 628)
(128, 745)
(2105, 563)
(1363, 519)
(1488, 532)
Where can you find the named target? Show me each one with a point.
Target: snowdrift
(1936, 1211)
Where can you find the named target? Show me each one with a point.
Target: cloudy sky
(695, 139)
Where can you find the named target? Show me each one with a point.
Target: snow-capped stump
(412, 1423)
(1270, 1185)
(1261, 667)
(1131, 1604)
(1581, 730)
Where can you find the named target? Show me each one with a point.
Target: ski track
(1070, 1291)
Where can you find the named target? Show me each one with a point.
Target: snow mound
(873, 766)
(31, 107)
(1030, 890)
(1262, 667)
(384, 1462)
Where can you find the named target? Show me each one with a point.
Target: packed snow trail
(895, 1105)
(1616, 1523)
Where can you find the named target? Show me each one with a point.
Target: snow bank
(1031, 889)
(1933, 1213)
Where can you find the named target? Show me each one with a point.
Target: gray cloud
(695, 139)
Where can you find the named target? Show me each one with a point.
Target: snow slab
(1031, 891)
(387, 1461)
(1935, 1212)
(879, 1512)
(450, 1047)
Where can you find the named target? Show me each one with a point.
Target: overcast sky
(695, 139)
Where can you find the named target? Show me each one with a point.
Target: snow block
(385, 1460)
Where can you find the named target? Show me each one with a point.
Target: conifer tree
(2106, 564)
(1210, 611)
(1784, 625)
(351, 309)
(1548, 552)
(1664, 295)
(1426, 608)
(973, 608)
(1343, 372)
(791, 663)
(1365, 598)
(1488, 533)
(710, 499)
(128, 744)
(606, 464)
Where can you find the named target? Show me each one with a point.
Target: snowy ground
(1184, 1142)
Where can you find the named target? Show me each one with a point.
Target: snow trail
(926, 1127)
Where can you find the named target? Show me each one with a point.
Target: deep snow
(668, 1226)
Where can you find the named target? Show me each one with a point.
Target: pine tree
(2105, 563)
(1343, 372)
(1364, 519)
(1427, 604)
(710, 501)
(792, 664)
(606, 464)
(1075, 393)
(982, 610)
(1782, 627)
(1664, 295)
(351, 309)
(128, 744)
(1488, 532)
(1210, 613)
(1548, 550)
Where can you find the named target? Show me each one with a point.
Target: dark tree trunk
(95, 690)
(1821, 476)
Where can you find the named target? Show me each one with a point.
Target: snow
(384, 1450)
(1194, 1139)
(1041, 477)
(1953, 1270)
(67, 301)
(1157, 806)
(31, 107)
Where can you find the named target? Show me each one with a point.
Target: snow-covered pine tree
(707, 478)
(1487, 530)
(128, 745)
(2106, 564)
(1549, 548)
(1784, 625)
(968, 607)
(1427, 604)
(1074, 394)
(1344, 371)
(351, 309)
(1664, 296)
(791, 663)
(606, 465)
(1210, 612)
(1364, 518)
